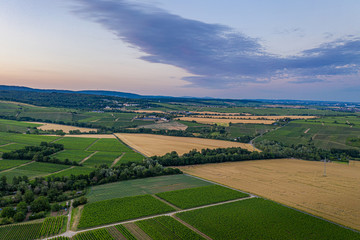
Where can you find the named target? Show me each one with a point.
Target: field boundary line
(7, 144)
(129, 146)
(58, 139)
(117, 160)
(86, 149)
(166, 202)
(92, 154)
(170, 214)
(191, 227)
(62, 170)
(8, 170)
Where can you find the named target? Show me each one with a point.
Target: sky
(306, 50)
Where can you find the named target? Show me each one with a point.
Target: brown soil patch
(167, 126)
(65, 128)
(296, 183)
(150, 144)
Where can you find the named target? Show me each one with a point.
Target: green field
(325, 136)
(239, 129)
(194, 197)
(98, 234)
(121, 209)
(28, 139)
(73, 171)
(143, 186)
(167, 228)
(102, 158)
(12, 146)
(16, 126)
(7, 164)
(75, 143)
(72, 155)
(262, 219)
(109, 145)
(131, 157)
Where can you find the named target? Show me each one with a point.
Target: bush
(40, 204)
(37, 216)
(80, 201)
(8, 212)
(19, 217)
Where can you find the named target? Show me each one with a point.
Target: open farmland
(194, 197)
(151, 145)
(120, 209)
(262, 219)
(73, 171)
(76, 143)
(64, 128)
(162, 228)
(247, 117)
(143, 186)
(102, 158)
(296, 183)
(130, 157)
(109, 145)
(7, 164)
(226, 121)
(73, 155)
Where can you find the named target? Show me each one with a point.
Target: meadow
(194, 197)
(296, 183)
(121, 209)
(262, 219)
(151, 145)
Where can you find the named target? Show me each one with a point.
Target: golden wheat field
(296, 183)
(150, 144)
(64, 128)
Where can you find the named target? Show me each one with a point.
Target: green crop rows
(102, 158)
(193, 197)
(116, 210)
(73, 171)
(28, 139)
(75, 143)
(131, 157)
(20, 232)
(262, 219)
(6, 164)
(167, 228)
(99, 234)
(72, 155)
(109, 145)
(123, 230)
(52, 225)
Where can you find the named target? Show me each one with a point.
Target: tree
(22, 207)
(28, 196)
(40, 204)
(8, 212)
(19, 217)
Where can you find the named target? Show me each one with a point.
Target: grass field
(262, 219)
(72, 155)
(12, 146)
(75, 143)
(151, 145)
(102, 158)
(73, 171)
(194, 197)
(143, 186)
(15, 126)
(28, 139)
(131, 157)
(296, 183)
(167, 228)
(120, 209)
(238, 130)
(109, 145)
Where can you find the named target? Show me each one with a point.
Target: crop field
(296, 183)
(72, 155)
(28, 139)
(12, 146)
(74, 143)
(151, 145)
(167, 228)
(109, 145)
(131, 157)
(98, 234)
(323, 135)
(237, 130)
(16, 126)
(175, 125)
(64, 128)
(262, 219)
(143, 186)
(101, 158)
(7, 164)
(33, 169)
(52, 225)
(95, 136)
(226, 121)
(120, 209)
(194, 197)
(125, 232)
(73, 171)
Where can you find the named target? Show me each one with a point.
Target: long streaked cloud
(217, 55)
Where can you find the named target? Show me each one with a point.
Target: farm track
(72, 233)
(8, 170)
(192, 228)
(129, 146)
(164, 201)
(6, 144)
(57, 139)
(117, 160)
(62, 170)
(91, 144)
(82, 161)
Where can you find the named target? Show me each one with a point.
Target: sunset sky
(229, 49)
